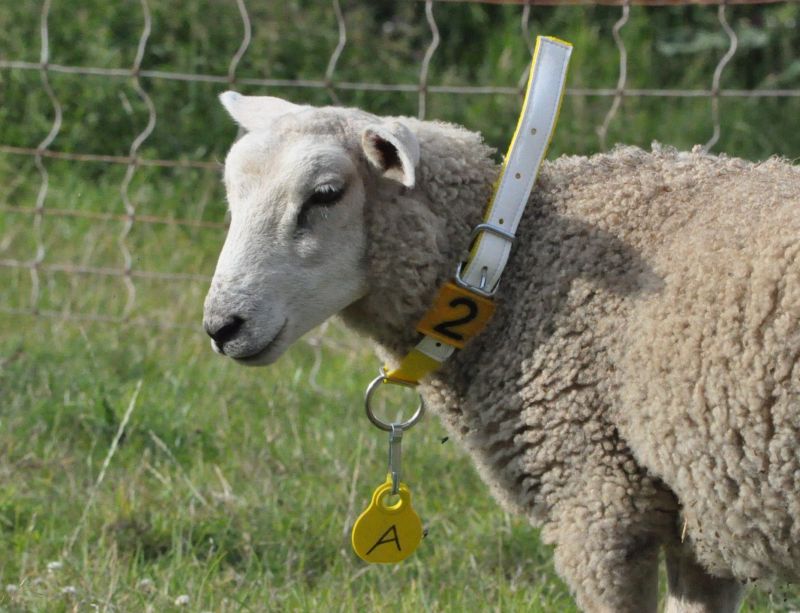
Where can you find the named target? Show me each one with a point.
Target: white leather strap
(492, 245)
(525, 154)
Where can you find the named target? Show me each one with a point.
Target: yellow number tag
(456, 316)
(384, 533)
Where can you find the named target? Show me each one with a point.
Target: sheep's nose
(223, 330)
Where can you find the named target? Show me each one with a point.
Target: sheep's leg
(608, 569)
(693, 590)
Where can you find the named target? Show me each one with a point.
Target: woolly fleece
(639, 380)
(638, 385)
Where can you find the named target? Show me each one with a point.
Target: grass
(235, 487)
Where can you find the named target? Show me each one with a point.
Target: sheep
(637, 388)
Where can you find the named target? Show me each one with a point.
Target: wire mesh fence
(52, 268)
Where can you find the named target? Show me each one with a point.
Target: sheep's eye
(324, 195)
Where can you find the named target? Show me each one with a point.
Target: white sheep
(638, 386)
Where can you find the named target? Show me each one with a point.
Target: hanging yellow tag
(387, 534)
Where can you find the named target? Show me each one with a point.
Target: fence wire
(37, 263)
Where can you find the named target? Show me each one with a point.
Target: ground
(233, 487)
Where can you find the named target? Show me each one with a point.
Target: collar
(465, 305)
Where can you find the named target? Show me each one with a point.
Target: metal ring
(377, 421)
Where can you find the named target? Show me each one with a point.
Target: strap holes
(517, 176)
(533, 130)
(500, 221)
(438, 344)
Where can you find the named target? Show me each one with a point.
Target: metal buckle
(478, 290)
(481, 289)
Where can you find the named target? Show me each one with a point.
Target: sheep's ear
(256, 112)
(393, 149)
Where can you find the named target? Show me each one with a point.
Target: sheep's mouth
(262, 356)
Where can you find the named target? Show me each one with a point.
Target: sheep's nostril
(229, 328)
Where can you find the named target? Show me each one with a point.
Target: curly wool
(639, 379)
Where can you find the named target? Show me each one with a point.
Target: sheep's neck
(417, 237)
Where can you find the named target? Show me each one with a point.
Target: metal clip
(395, 429)
(395, 456)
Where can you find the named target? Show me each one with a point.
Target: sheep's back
(709, 365)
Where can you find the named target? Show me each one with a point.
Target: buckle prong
(481, 289)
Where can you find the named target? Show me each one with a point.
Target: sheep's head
(297, 183)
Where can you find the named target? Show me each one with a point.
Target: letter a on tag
(386, 533)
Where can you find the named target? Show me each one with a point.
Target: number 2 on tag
(456, 316)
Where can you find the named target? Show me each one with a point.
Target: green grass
(235, 487)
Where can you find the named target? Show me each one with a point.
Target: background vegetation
(233, 487)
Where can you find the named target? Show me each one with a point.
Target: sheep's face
(294, 254)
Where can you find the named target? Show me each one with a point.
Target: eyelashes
(323, 196)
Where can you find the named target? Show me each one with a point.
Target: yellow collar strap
(464, 306)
